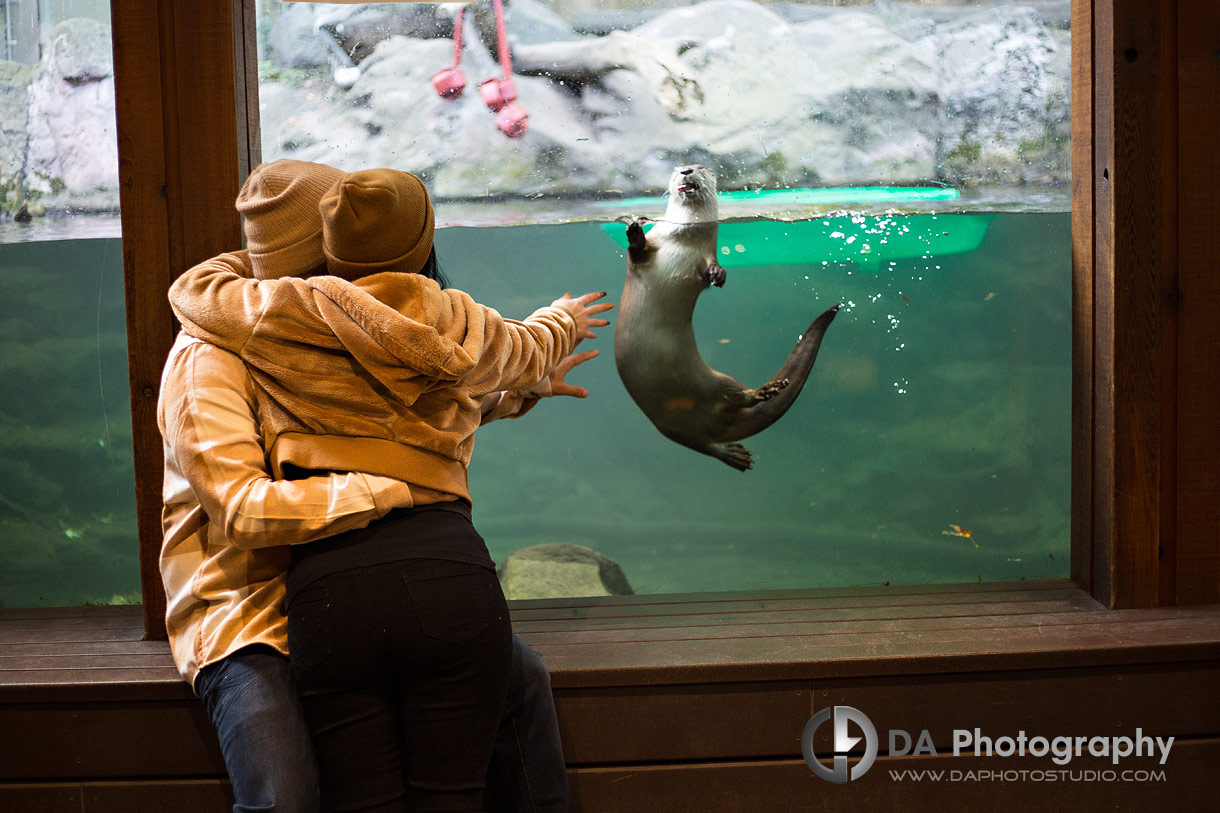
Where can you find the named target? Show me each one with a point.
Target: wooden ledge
(96, 653)
(852, 632)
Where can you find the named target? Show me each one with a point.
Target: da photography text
(851, 726)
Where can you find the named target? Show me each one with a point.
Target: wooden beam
(1082, 559)
(145, 220)
(186, 134)
(1135, 302)
(1198, 442)
(245, 73)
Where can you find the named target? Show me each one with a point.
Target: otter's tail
(787, 383)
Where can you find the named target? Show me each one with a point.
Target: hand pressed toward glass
(558, 386)
(583, 312)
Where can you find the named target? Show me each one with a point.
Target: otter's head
(692, 189)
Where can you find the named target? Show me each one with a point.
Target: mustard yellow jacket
(226, 522)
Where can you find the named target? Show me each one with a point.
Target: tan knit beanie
(279, 204)
(376, 220)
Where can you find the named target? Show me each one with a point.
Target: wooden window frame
(1145, 447)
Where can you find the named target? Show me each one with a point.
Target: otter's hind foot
(735, 455)
(769, 390)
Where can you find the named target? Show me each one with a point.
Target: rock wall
(58, 141)
(766, 95)
(886, 93)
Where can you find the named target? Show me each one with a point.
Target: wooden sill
(682, 702)
(96, 653)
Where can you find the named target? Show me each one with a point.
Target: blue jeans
(251, 699)
(527, 768)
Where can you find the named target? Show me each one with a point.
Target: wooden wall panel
(788, 785)
(1146, 490)
(661, 723)
(150, 796)
(139, 118)
(1198, 442)
(1056, 702)
(107, 740)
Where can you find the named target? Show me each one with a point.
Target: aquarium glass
(909, 160)
(67, 499)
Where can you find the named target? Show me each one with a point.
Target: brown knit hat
(376, 220)
(279, 203)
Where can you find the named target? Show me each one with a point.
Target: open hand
(565, 365)
(584, 312)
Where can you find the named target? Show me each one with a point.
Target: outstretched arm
(522, 354)
(515, 403)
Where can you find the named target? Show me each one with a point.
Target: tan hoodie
(383, 375)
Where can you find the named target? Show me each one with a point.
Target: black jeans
(402, 669)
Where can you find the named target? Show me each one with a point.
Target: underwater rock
(73, 148)
(561, 570)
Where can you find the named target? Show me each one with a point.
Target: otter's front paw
(715, 275)
(635, 234)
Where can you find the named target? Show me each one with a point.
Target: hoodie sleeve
(511, 354)
(219, 302)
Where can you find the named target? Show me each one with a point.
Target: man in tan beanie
(280, 246)
(279, 208)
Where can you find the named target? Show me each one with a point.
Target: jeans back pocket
(453, 605)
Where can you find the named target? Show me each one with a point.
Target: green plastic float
(870, 242)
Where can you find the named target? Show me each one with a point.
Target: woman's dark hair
(432, 269)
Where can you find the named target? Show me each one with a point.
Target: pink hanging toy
(499, 94)
(449, 82)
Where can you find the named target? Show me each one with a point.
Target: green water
(941, 395)
(67, 505)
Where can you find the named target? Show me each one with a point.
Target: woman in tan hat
(398, 632)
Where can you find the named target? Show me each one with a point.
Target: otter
(654, 342)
